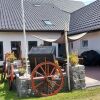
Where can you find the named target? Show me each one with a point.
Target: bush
(21, 70)
(73, 58)
(10, 57)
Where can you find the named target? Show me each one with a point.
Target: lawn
(87, 94)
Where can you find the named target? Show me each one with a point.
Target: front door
(16, 48)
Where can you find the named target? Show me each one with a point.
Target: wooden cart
(46, 75)
(47, 78)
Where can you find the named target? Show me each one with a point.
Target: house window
(36, 5)
(84, 43)
(1, 51)
(47, 43)
(31, 44)
(47, 22)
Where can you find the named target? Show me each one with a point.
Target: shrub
(73, 58)
(10, 57)
(21, 70)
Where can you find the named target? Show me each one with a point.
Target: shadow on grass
(5, 94)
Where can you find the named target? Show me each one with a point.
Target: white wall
(93, 43)
(7, 37)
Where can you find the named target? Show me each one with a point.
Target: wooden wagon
(47, 77)
(46, 74)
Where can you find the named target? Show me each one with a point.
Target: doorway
(61, 50)
(31, 44)
(16, 48)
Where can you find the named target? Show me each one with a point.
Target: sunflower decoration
(10, 57)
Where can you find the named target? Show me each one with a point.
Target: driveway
(92, 76)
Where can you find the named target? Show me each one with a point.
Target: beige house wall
(93, 43)
(7, 37)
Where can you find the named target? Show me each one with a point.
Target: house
(44, 19)
(86, 20)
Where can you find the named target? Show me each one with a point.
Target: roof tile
(85, 19)
(11, 17)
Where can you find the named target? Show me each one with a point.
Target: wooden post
(24, 33)
(67, 55)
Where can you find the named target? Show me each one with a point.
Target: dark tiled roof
(65, 5)
(11, 16)
(85, 19)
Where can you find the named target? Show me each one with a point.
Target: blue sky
(86, 1)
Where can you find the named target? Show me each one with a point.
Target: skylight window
(37, 5)
(47, 22)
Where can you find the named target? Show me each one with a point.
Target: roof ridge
(86, 6)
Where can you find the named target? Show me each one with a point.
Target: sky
(86, 1)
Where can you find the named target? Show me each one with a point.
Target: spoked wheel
(47, 79)
(10, 77)
(3, 73)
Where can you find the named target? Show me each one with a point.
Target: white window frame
(48, 22)
(37, 5)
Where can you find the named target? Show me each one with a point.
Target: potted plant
(10, 57)
(73, 59)
(77, 72)
(21, 71)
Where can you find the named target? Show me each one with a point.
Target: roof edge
(32, 30)
(83, 7)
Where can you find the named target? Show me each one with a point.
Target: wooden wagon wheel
(10, 76)
(4, 72)
(47, 79)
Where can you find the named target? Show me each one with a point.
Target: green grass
(92, 93)
(87, 94)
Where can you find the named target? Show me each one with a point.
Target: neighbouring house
(44, 19)
(65, 5)
(86, 20)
